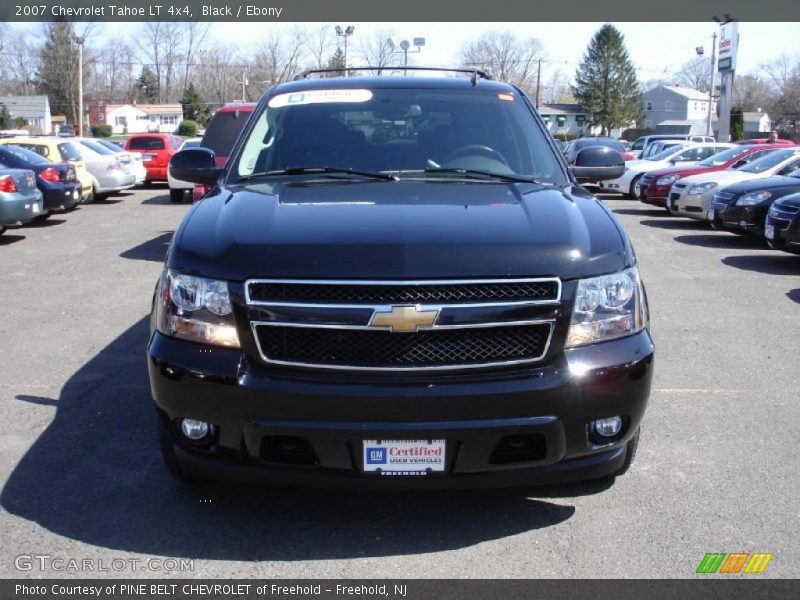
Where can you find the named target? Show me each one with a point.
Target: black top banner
(396, 11)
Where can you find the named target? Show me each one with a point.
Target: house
(569, 121)
(140, 118)
(35, 110)
(674, 107)
(756, 124)
(56, 121)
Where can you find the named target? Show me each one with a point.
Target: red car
(156, 150)
(655, 185)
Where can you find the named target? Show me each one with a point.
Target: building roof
(149, 108)
(682, 122)
(689, 93)
(27, 107)
(573, 109)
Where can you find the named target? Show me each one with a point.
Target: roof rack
(475, 73)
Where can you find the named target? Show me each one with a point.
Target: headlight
(699, 190)
(667, 179)
(607, 307)
(753, 198)
(196, 309)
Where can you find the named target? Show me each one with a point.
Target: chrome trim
(251, 302)
(268, 360)
(488, 325)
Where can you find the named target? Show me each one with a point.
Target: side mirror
(598, 163)
(738, 163)
(195, 165)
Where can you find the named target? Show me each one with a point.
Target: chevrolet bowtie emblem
(404, 319)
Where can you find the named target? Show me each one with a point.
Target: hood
(684, 171)
(402, 230)
(765, 183)
(725, 177)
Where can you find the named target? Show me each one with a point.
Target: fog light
(194, 430)
(607, 428)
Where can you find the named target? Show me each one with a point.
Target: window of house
(169, 120)
(580, 120)
(561, 120)
(121, 121)
(649, 106)
(668, 105)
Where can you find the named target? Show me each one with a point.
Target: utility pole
(538, 82)
(244, 83)
(79, 41)
(711, 87)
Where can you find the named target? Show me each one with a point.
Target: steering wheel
(476, 149)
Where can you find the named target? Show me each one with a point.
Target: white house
(141, 118)
(570, 120)
(34, 109)
(756, 124)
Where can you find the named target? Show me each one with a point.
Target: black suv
(396, 281)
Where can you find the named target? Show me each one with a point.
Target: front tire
(176, 196)
(632, 191)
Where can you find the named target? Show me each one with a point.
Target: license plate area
(403, 457)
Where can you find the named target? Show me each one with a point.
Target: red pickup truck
(655, 185)
(156, 150)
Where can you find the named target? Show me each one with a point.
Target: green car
(20, 200)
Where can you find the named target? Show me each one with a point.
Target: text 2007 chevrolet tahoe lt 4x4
(397, 281)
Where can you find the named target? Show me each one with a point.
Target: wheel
(632, 191)
(167, 443)
(2, 229)
(633, 444)
(176, 195)
(44, 217)
(101, 197)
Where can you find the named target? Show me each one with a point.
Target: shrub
(632, 135)
(187, 128)
(101, 130)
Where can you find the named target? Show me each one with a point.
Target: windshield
(99, 148)
(190, 144)
(70, 151)
(26, 155)
(767, 162)
(668, 153)
(399, 131)
(722, 157)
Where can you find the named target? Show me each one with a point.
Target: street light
(419, 42)
(700, 51)
(79, 40)
(346, 33)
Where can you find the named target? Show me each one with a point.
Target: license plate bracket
(403, 457)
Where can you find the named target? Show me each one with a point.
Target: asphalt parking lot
(81, 475)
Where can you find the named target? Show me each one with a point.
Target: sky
(657, 49)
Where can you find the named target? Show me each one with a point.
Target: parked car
(778, 142)
(67, 130)
(20, 200)
(56, 181)
(177, 188)
(692, 196)
(782, 226)
(743, 207)
(109, 174)
(686, 153)
(58, 150)
(658, 146)
(432, 304)
(132, 160)
(655, 185)
(156, 150)
(642, 142)
(576, 145)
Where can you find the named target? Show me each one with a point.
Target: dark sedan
(58, 183)
(782, 226)
(743, 207)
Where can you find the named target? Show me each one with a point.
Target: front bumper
(784, 232)
(693, 207)
(249, 406)
(741, 218)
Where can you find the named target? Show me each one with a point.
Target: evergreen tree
(336, 61)
(606, 84)
(737, 123)
(58, 70)
(147, 86)
(194, 108)
(5, 117)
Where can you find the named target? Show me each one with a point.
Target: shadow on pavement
(794, 295)
(51, 222)
(676, 223)
(160, 199)
(769, 264)
(6, 239)
(95, 475)
(641, 212)
(721, 240)
(153, 250)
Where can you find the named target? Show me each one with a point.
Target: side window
(43, 150)
(702, 153)
(792, 166)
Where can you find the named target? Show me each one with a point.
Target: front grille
(383, 350)
(265, 292)
(787, 209)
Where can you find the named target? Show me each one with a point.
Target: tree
(752, 92)
(507, 57)
(5, 117)
(336, 62)
(695, 74)
(320, 43)
(187, 128)
(605, 82)
(147, 86)
(58, 69)
(278, 58)
(377, 52)
(194, 108)
(737, 123)
(784, 72)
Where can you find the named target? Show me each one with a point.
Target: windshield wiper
(483, 175)
(321, 171)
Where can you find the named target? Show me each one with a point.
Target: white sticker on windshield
(319, 97)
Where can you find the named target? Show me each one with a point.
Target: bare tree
(507, 57)
(279, 58)
(216, 74)
(112, 71)
(321, 45)
(752, 92)
(695, 74)
(784, 72)
(21, 62)
(161, 44)
(376, 51)
(195, 33)
(557, 89)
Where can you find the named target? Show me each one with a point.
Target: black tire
(632, 192)
(44, 217)
(101, 197)
(2, 229)
(166, 441)
(176, 195)
(633, 444)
